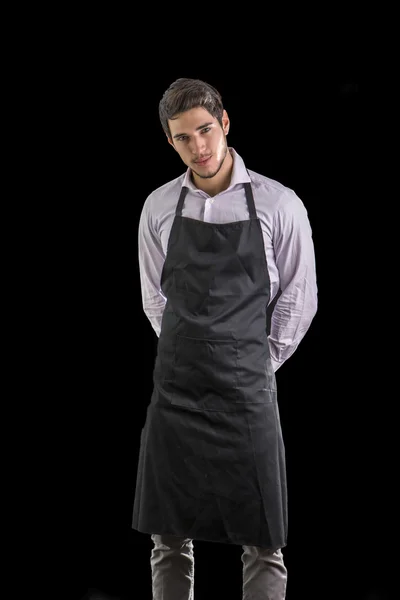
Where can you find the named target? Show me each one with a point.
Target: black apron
(212, 459)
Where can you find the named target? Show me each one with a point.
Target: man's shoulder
(273, 196)
(170, 188)
(269, 185)
(277, 197)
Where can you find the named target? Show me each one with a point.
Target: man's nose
(197, 145)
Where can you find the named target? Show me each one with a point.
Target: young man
(215, 246)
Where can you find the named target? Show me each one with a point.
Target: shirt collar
(239, 173)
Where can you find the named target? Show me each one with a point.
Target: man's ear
(171, 142)
(225, 122)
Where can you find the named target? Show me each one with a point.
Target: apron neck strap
(250, 200)
(181, 200)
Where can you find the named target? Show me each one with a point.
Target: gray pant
(172, 566)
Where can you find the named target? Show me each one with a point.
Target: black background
(304, 126)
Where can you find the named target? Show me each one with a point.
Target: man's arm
(151, 262)
(295, 261)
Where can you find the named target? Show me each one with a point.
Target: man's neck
(220, 182)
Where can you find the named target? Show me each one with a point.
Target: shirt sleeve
(151, 262)
(295, 261)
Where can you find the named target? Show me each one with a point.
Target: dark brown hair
(185, 94)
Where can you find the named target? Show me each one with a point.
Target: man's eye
(182, 138)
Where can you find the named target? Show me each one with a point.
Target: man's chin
(206, 176)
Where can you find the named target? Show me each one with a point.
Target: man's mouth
(202, 161)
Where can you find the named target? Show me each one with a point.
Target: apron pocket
(255, 372)
(203, 369)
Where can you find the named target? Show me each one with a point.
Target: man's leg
(264, 574)
(172, 566)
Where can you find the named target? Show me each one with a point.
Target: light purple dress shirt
(287, 234)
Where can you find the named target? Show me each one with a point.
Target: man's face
(196, 136)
